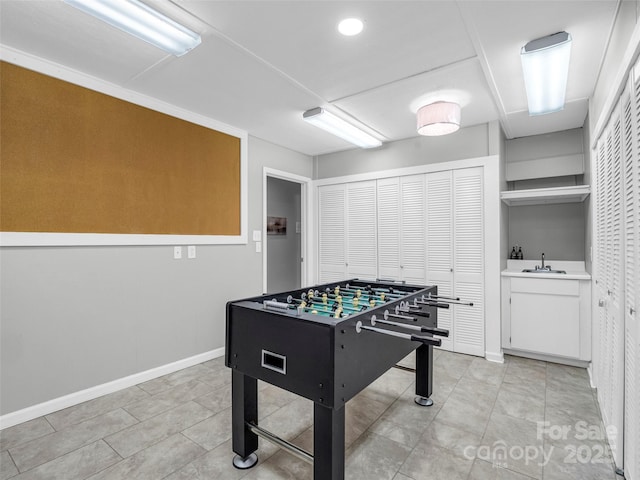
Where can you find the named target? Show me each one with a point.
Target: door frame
(305, 215)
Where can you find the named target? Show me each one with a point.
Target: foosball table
(325, 343)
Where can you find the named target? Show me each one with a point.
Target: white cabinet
(547, 316)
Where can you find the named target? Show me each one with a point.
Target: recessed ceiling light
(350, 26)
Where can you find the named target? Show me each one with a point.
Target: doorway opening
(284, 230)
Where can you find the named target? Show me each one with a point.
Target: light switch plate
(257, 236)
(191, 251)
(177, 253)
(258, 247)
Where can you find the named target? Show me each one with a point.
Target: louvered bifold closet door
(610, 281)
(412, 229)
(468, 265)
(439, 220)
(600, 328)
(631, 169)
(331, 233)
(361, 217)
(389, 228)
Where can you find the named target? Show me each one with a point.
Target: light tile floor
(519, 420)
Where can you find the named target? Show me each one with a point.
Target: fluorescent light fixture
(545, 64)
(350, 27)
(327, 121)
(138, 19)
(438, 118)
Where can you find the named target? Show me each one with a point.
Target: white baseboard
(50, 406)
(497, 357)
(548, 358)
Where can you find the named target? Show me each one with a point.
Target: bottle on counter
(520, 254)
(513, 255)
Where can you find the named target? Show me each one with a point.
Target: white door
(631, 175)
(389, 232)
(412, 229)
(332, 262)
(468, 265)
(439, 234)
(361, 230)
(609, 277)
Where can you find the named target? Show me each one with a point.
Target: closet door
(439, 224)
(388, 193)
(468, 264)
(332, 262)
(361, 229)
(609, 277)
(631, 169)
(412, 229)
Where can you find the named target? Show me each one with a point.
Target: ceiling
(263, 63)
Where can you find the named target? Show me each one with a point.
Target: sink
(543, 270)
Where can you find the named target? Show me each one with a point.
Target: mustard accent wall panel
(77, 161)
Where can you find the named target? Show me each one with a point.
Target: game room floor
(514, 421)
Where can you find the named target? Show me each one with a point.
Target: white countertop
(575, 270)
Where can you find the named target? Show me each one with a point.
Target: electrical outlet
(177, 253)
(191, 251)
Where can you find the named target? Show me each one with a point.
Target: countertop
(575, 270)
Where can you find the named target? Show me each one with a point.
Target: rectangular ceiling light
(327, 121)
(545, 64)
(138, 19)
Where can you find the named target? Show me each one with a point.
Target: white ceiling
(262, 63)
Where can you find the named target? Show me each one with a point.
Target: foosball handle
(436, 342)
(441, 332)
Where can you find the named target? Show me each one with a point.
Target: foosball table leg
(328, 443)
(424, 375)
(244, 409)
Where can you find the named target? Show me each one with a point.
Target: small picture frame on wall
(276, 225)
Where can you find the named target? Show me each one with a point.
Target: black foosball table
(325, 343)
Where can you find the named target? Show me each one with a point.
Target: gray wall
(557, 230)
(465, 143)
(77, 317)
(283, 251)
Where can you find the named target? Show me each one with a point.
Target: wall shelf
(541, 196)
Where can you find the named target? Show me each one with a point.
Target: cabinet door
(412, 229)
(388, 193)
(439, 244)
(361, 228)
(468, 264)
(545, 316)
(331, 233)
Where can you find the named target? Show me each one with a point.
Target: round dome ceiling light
(439, 118)
(350, 26)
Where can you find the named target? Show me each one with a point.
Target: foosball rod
(451, 300)
(405, 336)
(441, 332)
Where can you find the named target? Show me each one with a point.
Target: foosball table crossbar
(294, 450)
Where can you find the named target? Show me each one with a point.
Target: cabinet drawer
(546, 286)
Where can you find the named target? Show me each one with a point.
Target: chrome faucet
(542, 267)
